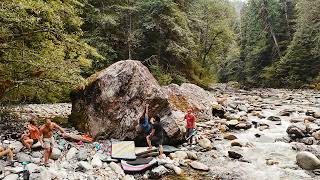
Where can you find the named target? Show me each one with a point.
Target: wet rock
(237, 143)
(296, 120)
(181, 155)
(205, 143)
(115, 98)
(307, 160)
(285, 112)
(296, 132)
(230, 136)
(158, 172)
(243, 125)
(271, 162)
(274, 118)
(308, 140)
(82, 154)
(234, 155)
(85, 165)
(23, 157)
(199, 166)
(192, 155)
(56, 153)
(71, 153)
(12, 177)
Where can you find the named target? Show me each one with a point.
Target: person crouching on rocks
(47, 135)
(31, 137)
(190, 125)
(144, 121)
(156, 135)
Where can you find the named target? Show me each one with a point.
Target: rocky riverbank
(259, 138)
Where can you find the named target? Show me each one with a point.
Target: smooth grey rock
(56, 153)
(205, 143)
(96, 161)
(117, 169)
(199, 166)
(158, 172)
(307, 160)
(12, 177)
(32, 168)
(85, 165)
(82, 154)
(71, 153)
(23, 157)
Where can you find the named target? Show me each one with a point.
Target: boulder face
(112, 101)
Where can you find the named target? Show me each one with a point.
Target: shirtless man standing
(47, 135)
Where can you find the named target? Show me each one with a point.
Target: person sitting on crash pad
(144, 121)
(156, 135)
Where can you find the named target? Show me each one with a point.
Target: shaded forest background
(47, 47)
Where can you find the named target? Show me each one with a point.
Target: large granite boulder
(112, 101)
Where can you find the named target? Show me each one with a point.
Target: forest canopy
(48, 47)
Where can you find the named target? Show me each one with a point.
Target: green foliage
(41, 53)
(300, 65)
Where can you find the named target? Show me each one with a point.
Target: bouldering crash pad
(137, 168)
(123, 150)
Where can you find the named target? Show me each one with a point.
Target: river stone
(181, 154)
(111, 102)
(177, 170)
(192, 155)
(234, 155)
(96, 161)
(117, 169)
(229, 136)
(36, 154)
(23, 157)
(32, 168)
(243, 125)
(199, 166)
(205, 143)
(284, 113)
(308, 140)
(316, 135)
(296, 132)
(296, 120)
(307, 160)
(85, 165)
(56, 153)
(158, 172)
(237, 143)
(312, 127)
(232, 123)
(16, 146)
(128, 177)
(82, 154)
(316, 115)
(71, 153)
(12, 177)
(274, 118)
(310, 119)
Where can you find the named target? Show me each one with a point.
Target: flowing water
(265, 148)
